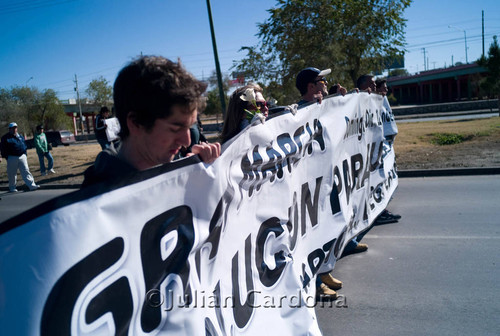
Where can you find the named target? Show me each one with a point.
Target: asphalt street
(453, 117)
(434, 273)
(15, 203)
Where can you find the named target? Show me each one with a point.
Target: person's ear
(311, 86)
(132, 124)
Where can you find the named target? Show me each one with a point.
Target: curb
(46, 187)
(400, 117)
(401, 173)
(449, 172)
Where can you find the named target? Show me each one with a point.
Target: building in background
(457, 83)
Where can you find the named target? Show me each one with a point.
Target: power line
(447, 42)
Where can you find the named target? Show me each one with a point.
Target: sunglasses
(321, 80)
(261, 104)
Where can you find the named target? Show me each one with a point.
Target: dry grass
(414, 150)
(69, 163)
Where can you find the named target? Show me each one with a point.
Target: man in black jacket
(100, 127)
(156, 103)
(13, 148)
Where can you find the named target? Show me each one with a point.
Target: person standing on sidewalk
(13, 148)
(42, 149)
(100, 127)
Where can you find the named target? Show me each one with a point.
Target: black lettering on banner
(336, 190)
(218, 312)
(216, 228)
(246, 167)
(312, 206)
(180, 220)
(243, 312)
(375, 164)
(315, 259)
(288, 147)
(348, 185)
(304, 277)
(361, 127)
(257, 161)
(210, 328)
(274, 166)
(318, 134)
(356, 168)
(328, 247)
(58, 309)
(378, 192)
(267, 164)
(308, 145)
(293, 222)
(115, 298)
(296, 137)
(269, 277)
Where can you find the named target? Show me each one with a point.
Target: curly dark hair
(149, 86)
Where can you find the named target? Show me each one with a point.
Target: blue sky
(46, 42)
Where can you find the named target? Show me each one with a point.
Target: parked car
(62, 137)
(55, 138)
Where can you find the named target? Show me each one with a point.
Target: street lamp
(465, 38)
(28, 80)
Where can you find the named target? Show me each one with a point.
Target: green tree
(398, 72)
(213, 103)
(10, 110)
(351, 37)
(491, 84)
(213, 106)
(29, 107)
(99, 91)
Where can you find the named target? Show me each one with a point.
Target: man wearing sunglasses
(312, 84)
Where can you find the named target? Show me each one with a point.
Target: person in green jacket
(42, 149)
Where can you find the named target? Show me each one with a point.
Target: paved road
(434, 273)
(453, 117)
(15, 203)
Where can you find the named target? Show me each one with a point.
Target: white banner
(113, 128)
(191, 249)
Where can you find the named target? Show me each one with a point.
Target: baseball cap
(12, 124)
(307, 76)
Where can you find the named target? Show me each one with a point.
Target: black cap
(308, 75)
(39, 127)
(104, 109)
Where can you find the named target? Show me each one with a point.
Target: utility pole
(465, 39)
(482, 12)
(425, 65)
(217, 65)
(79, 104)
